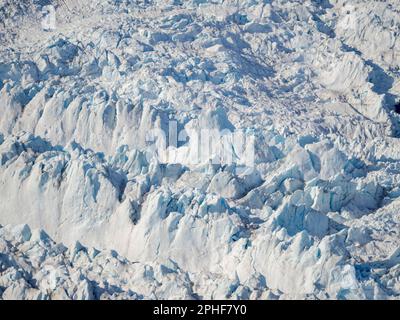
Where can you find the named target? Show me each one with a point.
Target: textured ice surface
(314, 82)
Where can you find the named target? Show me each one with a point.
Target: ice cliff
(306, 90)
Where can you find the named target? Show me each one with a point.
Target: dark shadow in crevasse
(397, 107)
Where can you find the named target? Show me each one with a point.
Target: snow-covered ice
(108, 189)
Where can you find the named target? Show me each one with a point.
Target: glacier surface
(91, 209)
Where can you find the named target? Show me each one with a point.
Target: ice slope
(315, 82)
(34, 267)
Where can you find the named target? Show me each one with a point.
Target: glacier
(98, 201)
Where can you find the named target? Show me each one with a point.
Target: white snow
(304, 89)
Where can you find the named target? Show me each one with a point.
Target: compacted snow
(297, 197)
